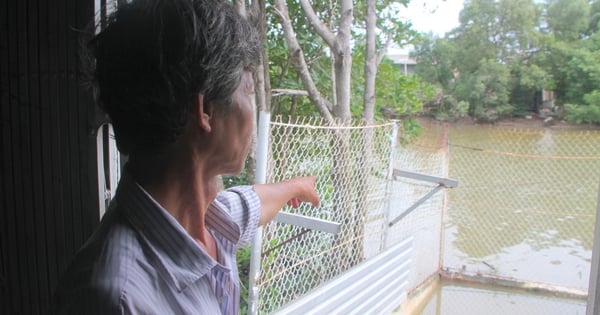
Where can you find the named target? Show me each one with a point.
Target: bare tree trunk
(370, 64)
(293, 106)
(262, 85)
(370, 69)
(345, 256)
(263, 81)
(341, 53)
(297, 56)
(333, 80)
(343, 62)
(341, 110)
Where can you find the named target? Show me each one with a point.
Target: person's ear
(204, 112)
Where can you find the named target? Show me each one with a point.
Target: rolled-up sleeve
(239, 213)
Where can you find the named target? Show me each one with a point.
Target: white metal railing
(376, 286)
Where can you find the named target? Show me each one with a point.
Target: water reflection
(525, 204)
(461, 300)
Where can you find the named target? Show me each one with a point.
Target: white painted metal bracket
(308, 222)
(442, 183)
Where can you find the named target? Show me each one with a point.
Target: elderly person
(175, 78)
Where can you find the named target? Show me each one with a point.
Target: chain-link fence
(425, 155)
(525, 208)
(352, 166)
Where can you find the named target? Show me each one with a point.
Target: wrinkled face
(235, 135)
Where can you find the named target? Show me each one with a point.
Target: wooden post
(593, 304)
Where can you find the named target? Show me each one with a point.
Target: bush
(582, 114)
(493, 114)
(585, 114)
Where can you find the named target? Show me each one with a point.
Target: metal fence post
(389, 185)
(262, 150)
(593, 303)
(446, 173)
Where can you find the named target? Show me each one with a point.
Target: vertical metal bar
(446, 173)
(262, 150)
(593, 303)
(390, 182)
(100, 169)
(114, 161)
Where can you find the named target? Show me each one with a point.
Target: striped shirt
(141, 261)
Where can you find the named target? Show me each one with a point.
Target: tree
(317, 41)
(506, 51)
(318, 65)
(486, 90)
(568, 20)
(435, 64)
(382, 27)
(484, 63)
(495, 30)
(339, 46)
(341, 29)
(594, 17)
(371, 61)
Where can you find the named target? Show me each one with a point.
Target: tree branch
(279, 92)
(383, 50)
(297, 56)
(371, 63)
(316, 22)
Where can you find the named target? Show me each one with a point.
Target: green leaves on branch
(393, 89)
(397, 94)
(585, 114)
(505, 53)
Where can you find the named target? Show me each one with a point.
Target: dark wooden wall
(48, 194)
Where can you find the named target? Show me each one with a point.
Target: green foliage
(403, 96)
(504, 52)
(397, 92)
(594, 17)
(568, 19)
(238, 180)
(435, 60)
(486, 91)
(582, 114)
(585, 114)
(243, 265)
(575, 70)
(282, 73)
(411, 129)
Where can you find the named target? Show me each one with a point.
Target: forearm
(274, 196)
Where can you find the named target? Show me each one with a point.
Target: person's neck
(179, 184)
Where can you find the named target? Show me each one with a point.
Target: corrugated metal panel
(48, 178)
(377, 286)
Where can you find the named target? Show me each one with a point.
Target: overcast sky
(435, 16)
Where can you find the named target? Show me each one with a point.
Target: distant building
(401, 57)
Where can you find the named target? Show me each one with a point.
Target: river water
(524, 209)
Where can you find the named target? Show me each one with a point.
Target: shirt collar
(179, 258)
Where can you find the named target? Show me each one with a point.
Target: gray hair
(155, 56)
